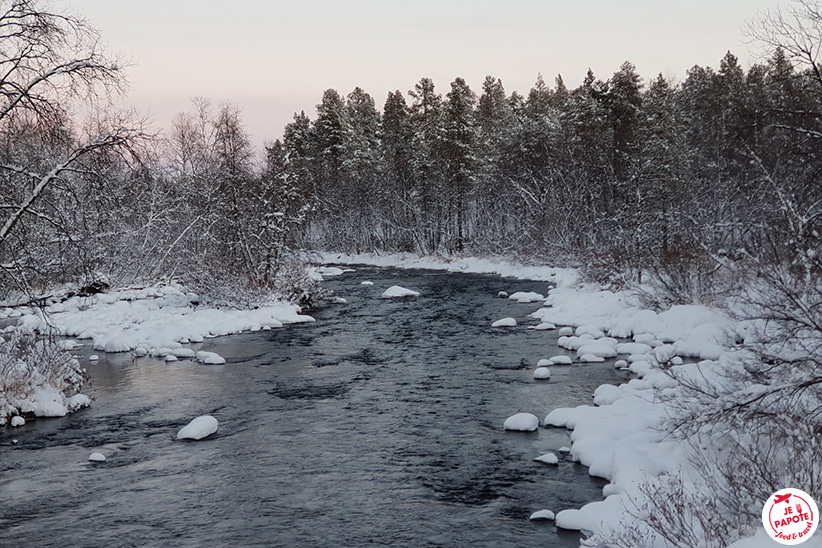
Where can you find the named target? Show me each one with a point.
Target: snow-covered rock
(560, 360)
(633, 348)
(397, 291)
(548, 458)
(522, 422)
(502, 295)
(171, 358)
(597, 349)
(366, 282)
(526, 297)
(546, 515)
(591, 358)
(505, 322)
(184, 353)
(544, 326)
(97, 457)
(209, 358)
(620, 364)
(17, 421)
(565, 331)
(93, 358)
(542, 373)
(198, 428)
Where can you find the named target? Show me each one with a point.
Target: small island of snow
(522, 422)
(505, 322)
(198, 429)
(396, 291)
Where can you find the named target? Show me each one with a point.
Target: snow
(173, 358)
(155, 317)
(209, 358)
(548, 458)
(198, 428)
(522, 422)
(472, 265)
(542, 373)
(366, 283)
(93, 358)
(565, 331)
(544, 326)
(17, 421)
(591, 358)
(526, 297)
(97, 457)
(397, 291)
(542, 515)
(597, 349)
(621, 437)
(505, 322)
(560, 360)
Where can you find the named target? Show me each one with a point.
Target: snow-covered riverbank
(621, 436)
(162, 321)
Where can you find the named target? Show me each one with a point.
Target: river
(378, 425)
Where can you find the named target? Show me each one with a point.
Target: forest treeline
(622, 175)
(631, 179)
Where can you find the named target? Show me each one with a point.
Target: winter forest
(705, 191)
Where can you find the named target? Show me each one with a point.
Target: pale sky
(273, 58)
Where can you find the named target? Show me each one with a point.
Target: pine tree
(458, 149)
(427, 121)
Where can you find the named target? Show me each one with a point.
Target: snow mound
(544, 326)
(591, 358)
(522, 422)
(560, 360)
(548, 458)
(597, 349)
(542, 373)
(93, 358)
(619, 364)
(542, 515)
(566, 331)
(97, 457)
(329, 271)
(171, 358)
(633, 348)
(526, 297)
(366, 283)
(198, 428)
(502, 294)
(505, 322)
(17, 421)
(209, 358)
(396, 291)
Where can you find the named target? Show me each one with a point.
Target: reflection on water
(379, 424)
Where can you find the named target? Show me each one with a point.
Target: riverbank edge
(160, 321)
(620, 437)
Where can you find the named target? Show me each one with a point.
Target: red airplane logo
(781, 498)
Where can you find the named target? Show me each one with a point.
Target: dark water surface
(378, 425)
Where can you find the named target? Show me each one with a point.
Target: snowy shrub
(221, 286)
(29, 363)
(750, 420)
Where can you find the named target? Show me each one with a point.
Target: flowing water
(378, 425)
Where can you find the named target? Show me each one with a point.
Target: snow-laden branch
(113, 139)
